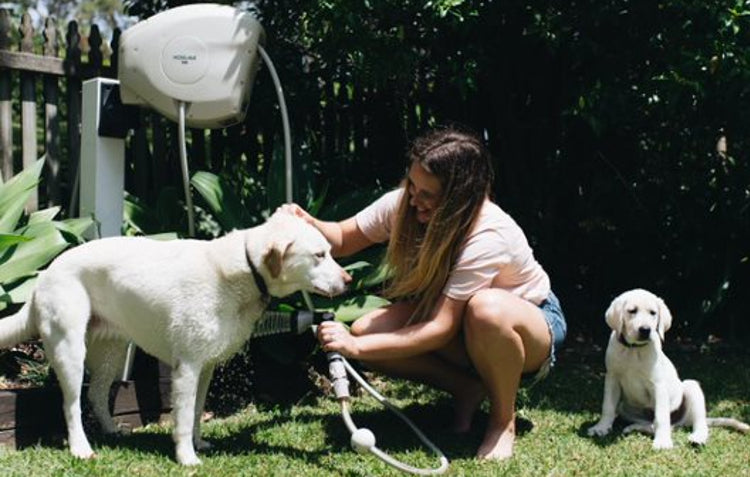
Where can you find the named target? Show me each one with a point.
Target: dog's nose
(644, 332)
(347, 278)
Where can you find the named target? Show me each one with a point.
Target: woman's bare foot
(466, 404)
(498, 442)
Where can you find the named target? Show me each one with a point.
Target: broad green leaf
(221, 200)
(76, 226)
(28, 257)
(139, 216)
(354, 308)
(35, 229)
(376, 277)
(44, 215)
(350, 308)
(6, 240)
(21, 292)
(15, 193)
(357, 266)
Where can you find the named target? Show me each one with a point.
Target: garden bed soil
(34, 414)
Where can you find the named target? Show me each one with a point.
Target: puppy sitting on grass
(641, 384)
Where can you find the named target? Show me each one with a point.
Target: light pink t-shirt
(496, 253)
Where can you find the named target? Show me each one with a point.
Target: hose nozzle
(336, 368)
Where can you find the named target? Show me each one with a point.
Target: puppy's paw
(600, 429)
(662, 443)
(698, 437)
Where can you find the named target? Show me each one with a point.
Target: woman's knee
(504, 314)
(488, 309)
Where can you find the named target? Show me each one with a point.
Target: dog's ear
(613, 315)
(274, 257)
(665, 317)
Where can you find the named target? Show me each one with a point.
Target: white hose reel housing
(204, 55)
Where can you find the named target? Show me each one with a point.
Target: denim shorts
(555, 319)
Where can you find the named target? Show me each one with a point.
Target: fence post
(73, 101)
(102, 164)
(28, 106)
(6, 123)
(51, 119)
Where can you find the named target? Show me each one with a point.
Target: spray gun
(280, 322)
(298, 322)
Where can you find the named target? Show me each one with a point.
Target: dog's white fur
(642, 382)
(190, 303)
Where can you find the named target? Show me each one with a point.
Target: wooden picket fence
(54, 65)
(41, 74)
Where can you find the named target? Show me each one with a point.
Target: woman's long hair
(421, 256)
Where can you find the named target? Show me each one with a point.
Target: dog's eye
(632, 310)
(652, 312)
(320, 255)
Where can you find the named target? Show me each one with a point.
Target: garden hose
(363, 439)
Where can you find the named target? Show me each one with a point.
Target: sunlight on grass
(311, 439)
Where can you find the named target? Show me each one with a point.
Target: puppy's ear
(274, 257)
(613, 315)
(665, 317)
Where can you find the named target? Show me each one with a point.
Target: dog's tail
(728, 422)
(17, 328)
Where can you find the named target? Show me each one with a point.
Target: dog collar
(259, 281)
(622, 341)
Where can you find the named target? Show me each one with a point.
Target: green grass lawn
(309, 438)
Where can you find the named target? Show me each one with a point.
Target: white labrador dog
(190, 303)
(641, 384)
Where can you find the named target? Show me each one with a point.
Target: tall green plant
(28, 242)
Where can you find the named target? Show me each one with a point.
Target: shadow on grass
(574, 387)
(393, 436)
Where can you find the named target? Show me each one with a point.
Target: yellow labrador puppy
(641, 384)
(190, 303)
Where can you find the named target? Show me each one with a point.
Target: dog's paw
(663, 443)
(698, 437)
(186, 454)
(600, 430)
(83, 452)
(188, 460)
(79, 446)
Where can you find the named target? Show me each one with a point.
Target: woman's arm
(404, 342)
(345, 237)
